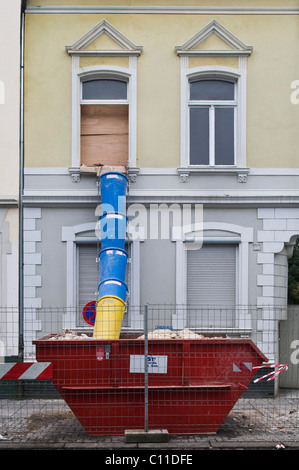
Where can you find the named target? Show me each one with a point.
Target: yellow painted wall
(47, 92)
(272, 120)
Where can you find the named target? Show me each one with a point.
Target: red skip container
(192, 384)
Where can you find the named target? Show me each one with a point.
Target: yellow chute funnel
(109, 316)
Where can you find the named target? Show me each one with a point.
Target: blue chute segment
(112, 290)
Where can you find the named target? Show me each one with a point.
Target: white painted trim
(31, 281)
(241, 113)
(78, 74)
(217, 193)
(60, 193)
(280, 229)
(46, 171)
(70, 235)
(239, 75)
(246, 237)
(132, 96)
(135, 319)
(274, 171)
(90, 71)
(75, 112)
(184, 62)
(165, 171)
(159, 10)
(9, 201)
(190, 47)
(103, 53)
(157, 171)
(224, 198)
(103, 27)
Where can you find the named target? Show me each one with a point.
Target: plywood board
(104, 135)
(104, 150)
(104, 119)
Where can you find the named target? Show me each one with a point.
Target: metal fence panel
(212, 379)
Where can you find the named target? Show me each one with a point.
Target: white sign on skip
(156, 364)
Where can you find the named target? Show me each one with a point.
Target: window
(213, 275)
(211, 285)
(104, 90)
(212, 118)
(82, 273)
(104, 122)
(88, 277)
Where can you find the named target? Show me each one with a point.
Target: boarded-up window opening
(104, 134)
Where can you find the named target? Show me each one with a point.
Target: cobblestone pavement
(266, 423)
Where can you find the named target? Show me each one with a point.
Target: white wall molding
(78, 75)
(191, 46)
(162, 171)
(159, 10)
(32, 258)
(52, 198)
(71, 235)
(237, 74)
(280, 228)
(126, 47)
(80, 49)
(245, 236)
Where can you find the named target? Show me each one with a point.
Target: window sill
(75, 173)
(185, 172)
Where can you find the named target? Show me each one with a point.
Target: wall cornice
(181, 10)
(238, 199)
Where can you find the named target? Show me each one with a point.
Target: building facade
(199, 102)
(10, 70)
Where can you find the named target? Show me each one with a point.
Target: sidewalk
(265, 424)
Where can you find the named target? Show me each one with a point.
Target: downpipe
(21, 189)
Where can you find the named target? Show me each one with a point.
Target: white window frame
(211, 105)
(80, 241)
(238, 76)
(103, 76)
(74, 234)
(241, 236)
(80, 75)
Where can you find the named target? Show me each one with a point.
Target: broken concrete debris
(69, 334)
(170, 334)
(163, 333)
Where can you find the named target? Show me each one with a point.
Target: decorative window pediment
(224, 44)
(103, 40)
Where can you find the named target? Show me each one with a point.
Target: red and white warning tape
(278, 368)
(26, 371)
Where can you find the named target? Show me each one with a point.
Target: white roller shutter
(211, 284)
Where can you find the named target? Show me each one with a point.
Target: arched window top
(212, 90)
(104, 89)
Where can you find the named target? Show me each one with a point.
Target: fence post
(146, 368)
